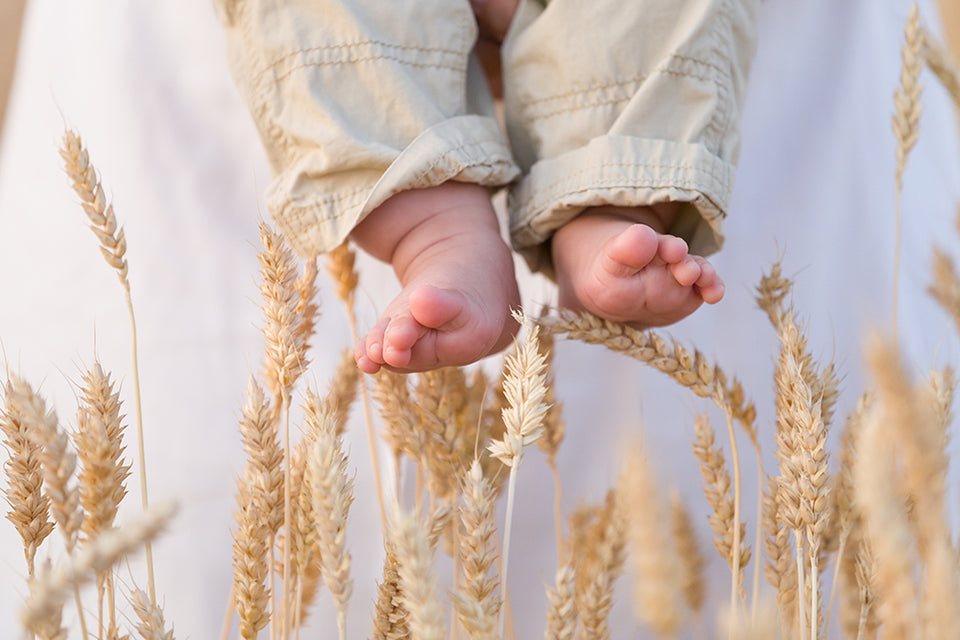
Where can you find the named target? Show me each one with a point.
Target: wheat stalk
(250, 564)
(906, 125)
(599, 569)
(113, 246)
(562, 605)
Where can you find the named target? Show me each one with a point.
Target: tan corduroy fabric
(606, 102)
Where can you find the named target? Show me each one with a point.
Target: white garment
(148, 88)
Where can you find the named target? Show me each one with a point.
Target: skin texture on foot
(457, 275)
(617, 263)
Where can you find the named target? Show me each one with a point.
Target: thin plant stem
(801, 584)
(287, 511)
(814, 575)
(112, 599)
(862, 626)
(151, 583)
(228, 614)
(83, 622)
(371, 435)
(274, 609)
(511, 490)
(841, 548)
(298, 605)
(100, 595)
(557, 513)
(758, 536)
(896, 258)
(735, 552)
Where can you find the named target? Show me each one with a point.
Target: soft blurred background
(147, 86)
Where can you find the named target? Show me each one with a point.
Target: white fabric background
(148, 88)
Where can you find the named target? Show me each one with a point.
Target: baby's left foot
(617, 263)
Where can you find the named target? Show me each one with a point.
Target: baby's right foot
(457, 274)
(617, 263)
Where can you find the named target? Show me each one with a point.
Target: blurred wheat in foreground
(855, 540)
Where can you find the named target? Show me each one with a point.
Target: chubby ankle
(658, 217)
(408, 223)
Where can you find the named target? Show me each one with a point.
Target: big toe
(437, 308)
(629, 251)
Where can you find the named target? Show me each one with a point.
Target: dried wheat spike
(885, 519)
(607, 551)
(419, 588)
(771, 293)
(906, 118)
(250, 567)
(341, 268)
(716, 489)
(399, 414)
(103, 222)
(692, 372)
(390, 616)
(554, 428)
(688, 552)
(946, 285)
(261, 440)
(150, 624)
(476, 600)
(858, 605)
(562, 609)
(525, 388)
(50, 626)
(440, 396)
(29, 505)
(100, 554)
(99, 442)
(331, 493)
(658, 586)
(285, 357)
(307, 308)
(780, 568)
(942, 64)
(343, 389)
(59, 463)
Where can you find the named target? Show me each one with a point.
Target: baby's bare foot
(457, 274)
(616, 262)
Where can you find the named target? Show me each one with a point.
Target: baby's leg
(457, 274)
(617, 263)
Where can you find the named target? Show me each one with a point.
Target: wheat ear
(100, 554)
(942, 64)
(113, 246)
(419, 589)
(659, 593)
(390, 615)
(29, 505)
(525, 388)
(689, 553)
(562, 605)
(150, 624)
(250, 562)
(103, 472)
(58, 463)
(476, 600)
(342, 269)
(605, 545)
(331, 493)
(906, 125)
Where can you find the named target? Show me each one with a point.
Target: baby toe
(713, 293)
(629, 251)
(398, 340)
(686, 272)
(671, 249)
